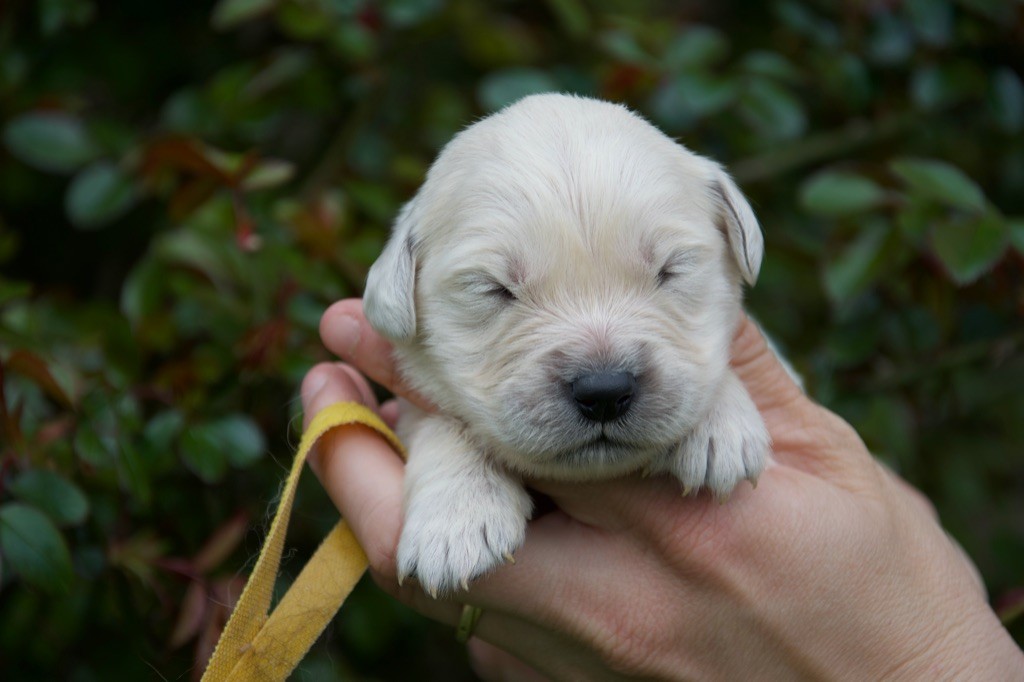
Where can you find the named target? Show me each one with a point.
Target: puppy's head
(566, 283)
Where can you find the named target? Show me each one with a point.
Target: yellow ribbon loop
(259, 645)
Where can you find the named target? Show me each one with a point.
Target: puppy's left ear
(740, 225)
(389, 300)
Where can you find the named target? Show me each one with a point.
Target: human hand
(833, 567)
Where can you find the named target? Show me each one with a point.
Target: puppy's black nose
(604, 396)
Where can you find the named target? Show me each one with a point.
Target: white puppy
(564, 287)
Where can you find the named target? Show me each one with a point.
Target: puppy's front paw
(731, 444)
(453, 535)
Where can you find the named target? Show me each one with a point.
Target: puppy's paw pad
(450, 539)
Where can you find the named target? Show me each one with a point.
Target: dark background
(184, 187)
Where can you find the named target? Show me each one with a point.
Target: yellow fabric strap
(258, 645)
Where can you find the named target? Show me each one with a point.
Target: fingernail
(314, 386)
(347, 329)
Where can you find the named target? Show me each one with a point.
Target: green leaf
(772, 110)
(286, 66)
(623, 48)
(99, 195)
(44, 373)
(242, 439)
(353, 41)
(771, 65)
(891, 41)
(845, 77)
(142, 291)
(94, 449)
(203, 455)
(34, 548)
(229, 13)
(304, 21)
(192, 250)
(969, 249)
(696, 46)
(50, 141)
(405, 13)
(1006, 101)
(858, 266)
(940, 182)
(269, 173)
(915, 218)
(838, 193)
(55, 15)
(690, 97)
(941, 85)
(163, 429)
(931, 19)
(1016, 228)
(572, 15)
(502, 88)
(798, 17)
(210, 446)
(13, 291)
(61, 499)
(134, 473)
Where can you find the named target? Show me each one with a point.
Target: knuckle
(381, 551)
(382, 557)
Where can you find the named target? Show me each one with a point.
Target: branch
(818, 147)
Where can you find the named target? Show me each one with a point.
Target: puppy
(564, 287)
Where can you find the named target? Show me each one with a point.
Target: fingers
(347, 385)
(651, 507)
(389, 413)
(363, 477)
(347, 334)
(491, 663)
(548, 584)
(613, 505)
(359, 470)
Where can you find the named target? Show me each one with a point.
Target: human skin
(832, 568)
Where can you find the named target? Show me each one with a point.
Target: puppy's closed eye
(484, 285)
(501, 292)
(677, 266)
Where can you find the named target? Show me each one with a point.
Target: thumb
(769, 382)
(804, 435)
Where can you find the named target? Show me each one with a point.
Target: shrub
(184, 190)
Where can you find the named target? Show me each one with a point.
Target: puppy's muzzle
(604, 396)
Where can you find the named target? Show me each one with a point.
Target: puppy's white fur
(561, 236)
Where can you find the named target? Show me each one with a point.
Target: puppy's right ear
(742, 232)
(389, 300)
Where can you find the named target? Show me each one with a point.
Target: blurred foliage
(184, 189)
